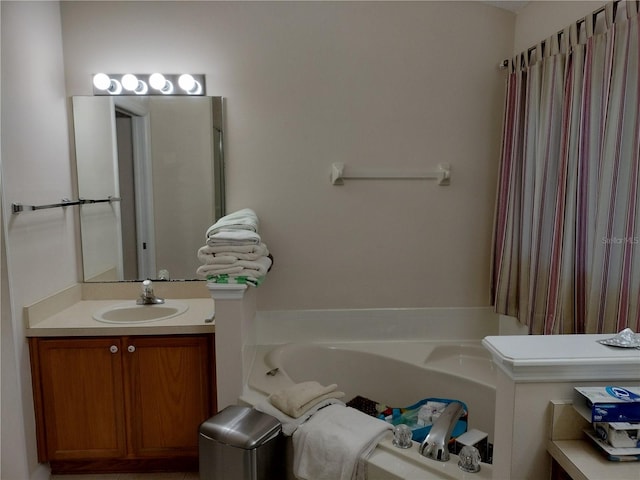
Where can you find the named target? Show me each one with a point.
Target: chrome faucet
(435, 445)
(148, 297)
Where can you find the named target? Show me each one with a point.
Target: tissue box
(608, 404)
(619, 434)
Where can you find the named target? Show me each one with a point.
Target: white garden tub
(397, 374)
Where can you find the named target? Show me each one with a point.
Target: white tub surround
(533, 370)
(388, 462)
(562, 357)
(70, 312)
(227, 291)
(376, 325)
(234, 319)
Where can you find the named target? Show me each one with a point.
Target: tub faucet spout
(435, 445)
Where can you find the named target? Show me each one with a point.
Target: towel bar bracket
(338, 175)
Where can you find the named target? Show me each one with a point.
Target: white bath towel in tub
(300, 397)
(289, 424)
(335, 443)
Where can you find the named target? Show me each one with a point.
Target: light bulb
(129, 82)
(186, 82)
(142, 89)
(157, 81)
(189, 84)
(160, 83)
(101, 81)
(115, 88)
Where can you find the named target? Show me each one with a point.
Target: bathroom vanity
(121, 396)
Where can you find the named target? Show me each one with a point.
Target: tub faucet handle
(402, 436)
(469, 459)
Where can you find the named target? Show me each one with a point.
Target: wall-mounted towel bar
(338, 174)
(19, 207)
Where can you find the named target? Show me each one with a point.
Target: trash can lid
(242, 427)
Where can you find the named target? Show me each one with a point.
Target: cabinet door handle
(131, 349)
(113, 349)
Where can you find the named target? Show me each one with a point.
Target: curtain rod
(505, 63)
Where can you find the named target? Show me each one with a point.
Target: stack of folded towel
(234, 251)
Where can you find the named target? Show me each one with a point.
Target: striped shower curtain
(566, 251)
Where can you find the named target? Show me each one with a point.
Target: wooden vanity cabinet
(116, 404)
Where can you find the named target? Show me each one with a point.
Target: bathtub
(396, 374)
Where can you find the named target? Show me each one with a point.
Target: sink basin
(130, 312)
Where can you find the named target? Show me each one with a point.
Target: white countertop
(562, 357)
(77, 320)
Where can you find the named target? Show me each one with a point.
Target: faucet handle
(402, 436)
(147, 288)
(469, 459)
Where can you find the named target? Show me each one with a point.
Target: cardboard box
(608, 404)
(619, 434)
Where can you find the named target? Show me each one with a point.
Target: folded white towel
(205, 270)
(245, 219)
(299, 398)
(233, 237)
(245, 268)
(209, 254)
(260, 249)
(211, 259)
(335, 442)
(289, 424)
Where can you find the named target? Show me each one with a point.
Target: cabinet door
(80, 392)
(168, 393)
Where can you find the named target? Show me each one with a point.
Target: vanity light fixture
(148, 84)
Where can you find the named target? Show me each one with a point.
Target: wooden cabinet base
(122, 404)
(119, 465)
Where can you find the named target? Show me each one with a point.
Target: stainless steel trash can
(240, 443)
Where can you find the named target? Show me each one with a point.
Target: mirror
(155, 165)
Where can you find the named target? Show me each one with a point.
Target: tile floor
(130, 476)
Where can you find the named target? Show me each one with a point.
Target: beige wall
(41, 246)
(400, 85)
